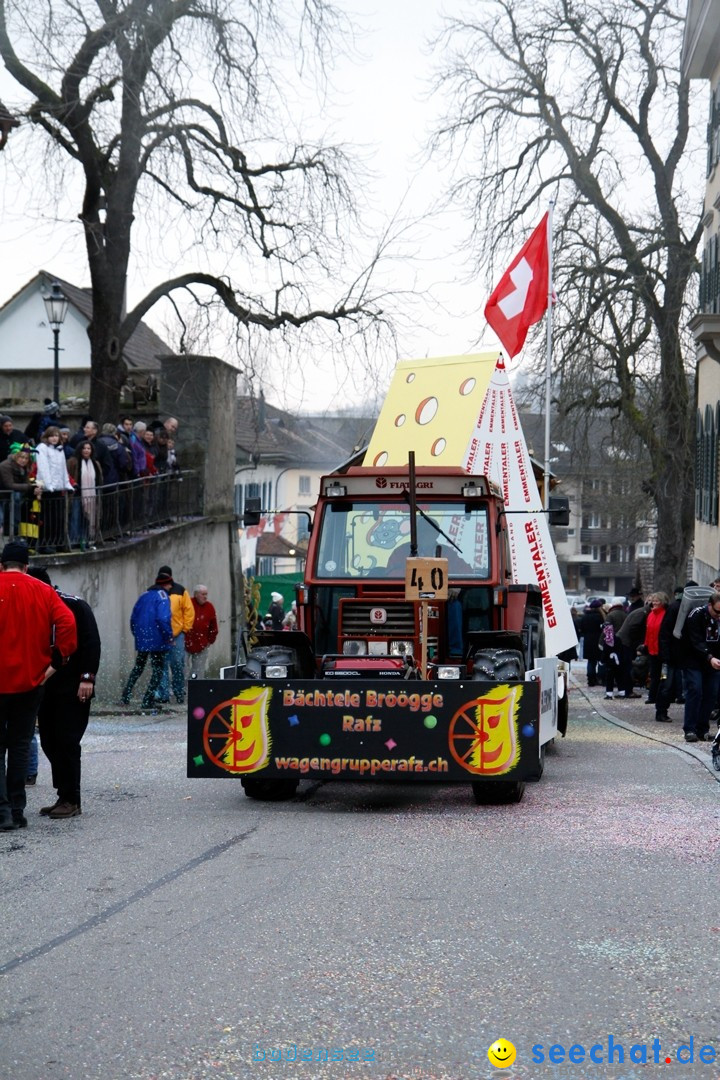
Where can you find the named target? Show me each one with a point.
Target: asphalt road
(178, 930)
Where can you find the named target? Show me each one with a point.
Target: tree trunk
(108, 248)
(107, 373)
(675, 500)
(673, 453)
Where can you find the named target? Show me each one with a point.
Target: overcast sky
(379, 103)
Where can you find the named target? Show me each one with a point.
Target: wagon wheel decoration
(482, 736)
(236, 736)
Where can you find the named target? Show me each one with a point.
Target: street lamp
(56, 306)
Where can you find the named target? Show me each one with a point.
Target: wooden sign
(426, 579)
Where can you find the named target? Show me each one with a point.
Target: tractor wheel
(497, 792)
(498, 665)
(268, 790)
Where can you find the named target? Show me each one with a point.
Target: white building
(701, 60)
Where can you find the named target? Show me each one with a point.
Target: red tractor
(413, 658)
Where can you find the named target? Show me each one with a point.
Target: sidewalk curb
(690, 751)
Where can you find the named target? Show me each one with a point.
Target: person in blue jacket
(151, 625)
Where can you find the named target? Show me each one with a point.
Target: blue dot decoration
(293, 720)
(528, 730)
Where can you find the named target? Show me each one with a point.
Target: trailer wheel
(497, 792)
(268, 790)
(498, 665)
(562, 714)
(541, 765)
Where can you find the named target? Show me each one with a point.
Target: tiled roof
(278, 437)
(270, 544)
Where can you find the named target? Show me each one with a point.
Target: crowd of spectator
(670, 649)
(52, 478)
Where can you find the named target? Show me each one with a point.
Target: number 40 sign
(426, 579)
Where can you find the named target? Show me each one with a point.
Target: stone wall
(111, 580)
(201, 391)
(29, 388)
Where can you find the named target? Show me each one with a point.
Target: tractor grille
(355, 619)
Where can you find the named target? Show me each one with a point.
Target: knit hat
(40, 573)
(596, 603)
(5, 419)
(165, 571)
(164, 576)
(15, 552)
(51, 407)
(276, 597)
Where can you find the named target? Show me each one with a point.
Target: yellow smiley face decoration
(501, 1054)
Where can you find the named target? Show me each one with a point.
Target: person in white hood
(277, 610)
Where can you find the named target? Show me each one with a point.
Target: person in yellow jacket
(182, 615)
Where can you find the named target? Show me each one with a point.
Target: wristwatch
(87, 677)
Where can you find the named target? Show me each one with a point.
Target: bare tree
(585, 103)
(174, 112)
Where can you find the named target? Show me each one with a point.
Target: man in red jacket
(203, 632)
(33, 622)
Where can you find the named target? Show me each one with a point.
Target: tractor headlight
(355, 648)
(401, 648)
(448, 671)
(276, 671)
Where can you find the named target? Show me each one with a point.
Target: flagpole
(548, 358)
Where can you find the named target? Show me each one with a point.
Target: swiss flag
(521, 296)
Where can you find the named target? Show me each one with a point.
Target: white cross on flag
(521, 296)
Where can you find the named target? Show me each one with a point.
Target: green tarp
(282, 583)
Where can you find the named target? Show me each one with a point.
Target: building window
(707, 427)
(304, 485)
(592, 551)
(592, 520)
(714, 130)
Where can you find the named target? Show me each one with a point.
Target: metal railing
(71, 521)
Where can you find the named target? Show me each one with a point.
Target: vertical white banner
(497, 449)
